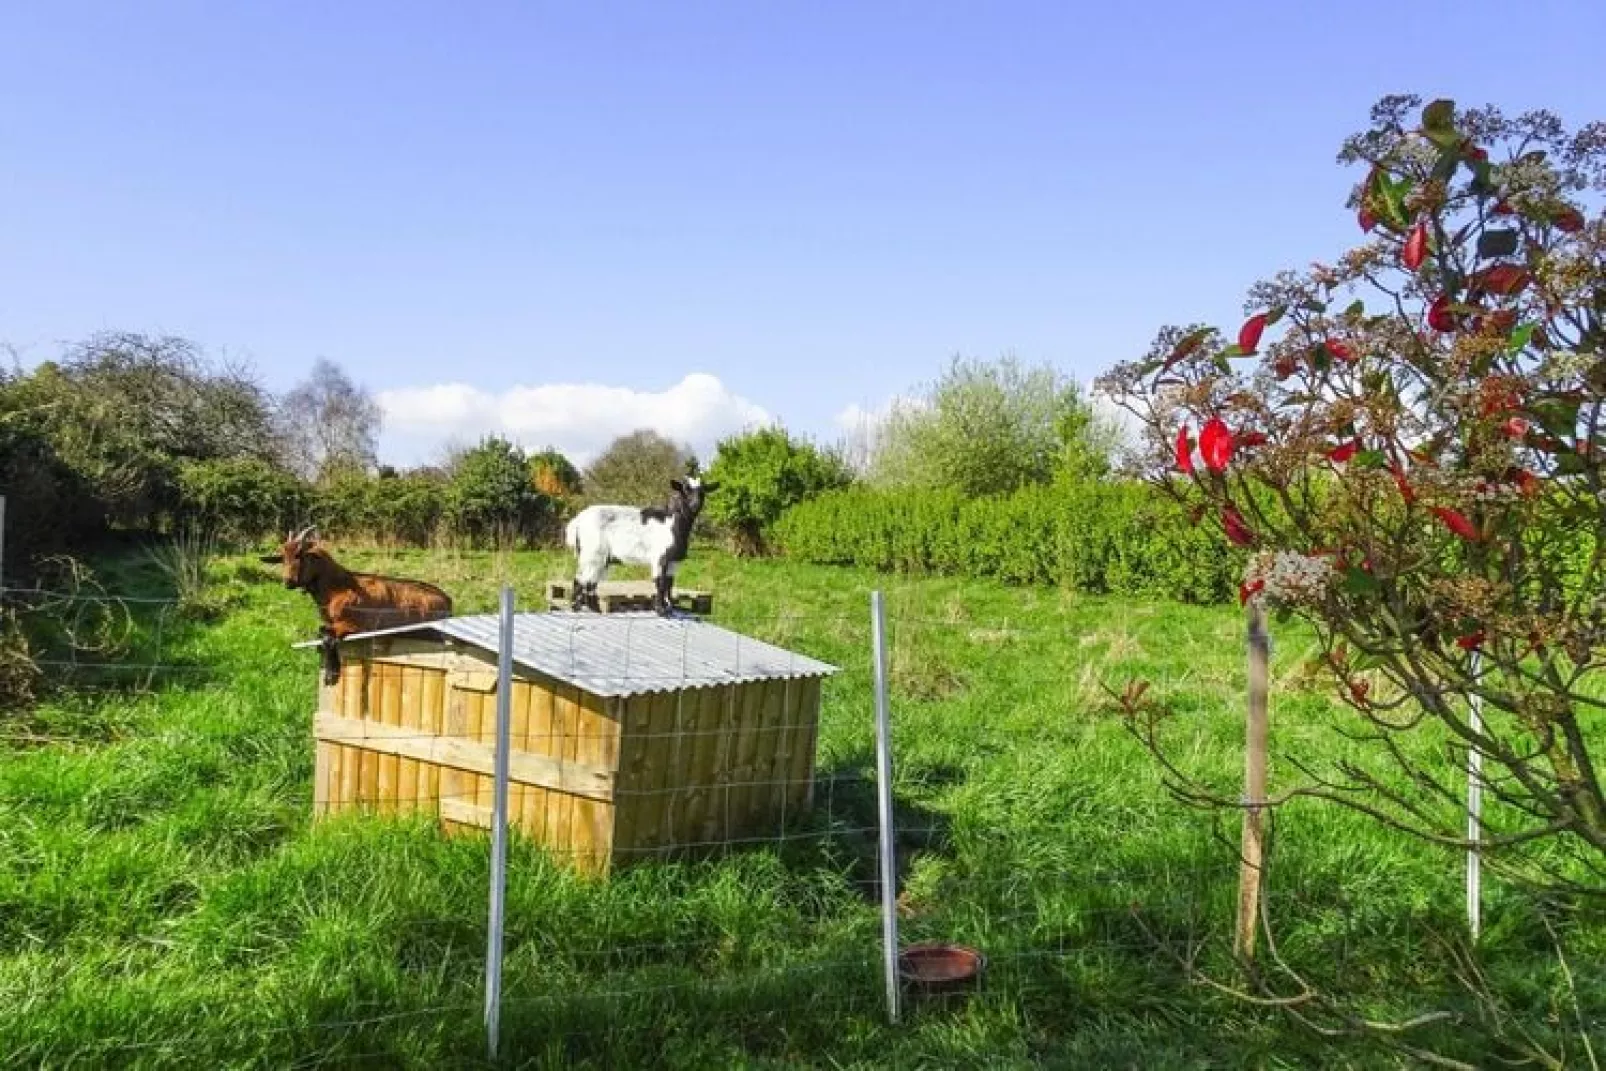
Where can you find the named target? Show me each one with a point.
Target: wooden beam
(577, 779)
(466, 813)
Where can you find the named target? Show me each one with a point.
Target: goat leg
(330, 648)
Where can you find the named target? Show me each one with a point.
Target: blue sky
(494, 211)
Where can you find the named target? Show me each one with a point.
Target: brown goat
(351, 602)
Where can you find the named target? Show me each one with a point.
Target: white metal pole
(1475, 810)
(883, 748)
(504, 705)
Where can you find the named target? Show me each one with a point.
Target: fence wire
(1016, 835)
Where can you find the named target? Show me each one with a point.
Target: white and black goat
(657, 537)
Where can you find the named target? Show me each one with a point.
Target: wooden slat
(599, 748)
(634, 728)
(454, 783)
(390, 702)
(432, 698)
(805, 719)
(692, 778)
(745, 759)
(667, 755)
(519, 730)
(408, 715)
(466, 813)
(537, 741)
(368, 761)
(483, 707)
(764, 804)
(467, 756)
(778, 747)
(560, 808)
(320, 780)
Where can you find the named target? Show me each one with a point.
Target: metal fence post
(504, 706)
(883, 748)
(1475, 810)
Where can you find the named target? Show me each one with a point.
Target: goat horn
(305, 533)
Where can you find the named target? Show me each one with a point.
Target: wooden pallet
(629, 596)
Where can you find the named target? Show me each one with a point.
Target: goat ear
(710, 488)
(678, 486)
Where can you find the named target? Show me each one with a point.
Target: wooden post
(1252, 866)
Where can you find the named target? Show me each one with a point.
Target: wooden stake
(1252, 866)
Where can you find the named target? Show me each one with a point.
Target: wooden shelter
(631, 734)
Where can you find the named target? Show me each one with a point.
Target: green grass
(166, 901)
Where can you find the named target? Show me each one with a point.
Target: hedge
(1113, 538)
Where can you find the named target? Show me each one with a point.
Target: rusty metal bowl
(940, 967)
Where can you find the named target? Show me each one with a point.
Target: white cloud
(580, 419)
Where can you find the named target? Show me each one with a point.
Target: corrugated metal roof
(625, 654)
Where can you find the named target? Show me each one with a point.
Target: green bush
(1094, 537)
(240, 499)
(763, 473)
(405, 509)
(491, 498)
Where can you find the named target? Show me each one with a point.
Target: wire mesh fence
(744, 890)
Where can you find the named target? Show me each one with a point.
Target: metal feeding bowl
(940, 967)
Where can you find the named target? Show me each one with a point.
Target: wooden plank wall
(706, 767)
(392, 738)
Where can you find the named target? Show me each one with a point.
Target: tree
(124, 411)
(554, 475)
(490, 498)
(761, 474)
(329, 424)
(1415, 466)
(987, 428)
(636, 469)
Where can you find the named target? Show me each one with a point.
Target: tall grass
(166, 901)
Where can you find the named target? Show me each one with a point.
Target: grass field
(165, 900)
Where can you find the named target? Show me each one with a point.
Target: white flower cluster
(1288, 578)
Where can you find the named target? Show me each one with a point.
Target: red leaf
(1456, 522)
(1514, 428)
(1476, 152)
(1527, 483)
(1187, 345)
(1284, 367)
(1339, 350)
(1237, 530)
(1416, 247)
(1501, 321)
(1406, 491)
(1358, 690)
(1569, 220)
(1251, 438)
(1471, 641)
(1345, 451)
(1365, 218)
(1249, 334)
(1249, 591)
(1184, 450)
(1504, 279)
(1440, 318)
(1215, 444)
